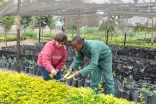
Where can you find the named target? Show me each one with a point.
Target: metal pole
(18, 37)
(5, 33)
(125, 39)
(39, 29)
(107, 37)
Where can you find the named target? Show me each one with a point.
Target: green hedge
(23, 89)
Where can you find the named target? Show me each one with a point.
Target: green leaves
(22, 89)
(7, 22)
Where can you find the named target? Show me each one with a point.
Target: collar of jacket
(84, 46)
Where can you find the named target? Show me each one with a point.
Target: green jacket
(96, 51)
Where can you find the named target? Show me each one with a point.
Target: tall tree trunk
(39, 29)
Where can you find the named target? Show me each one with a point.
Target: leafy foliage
(20, 88)
(51, 22)
(25, 21)
(3, 1)
(7, 22)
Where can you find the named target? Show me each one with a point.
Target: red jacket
(52, 57)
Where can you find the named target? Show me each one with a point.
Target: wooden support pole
(18, 37)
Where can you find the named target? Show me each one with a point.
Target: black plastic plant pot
(135, 69)
(116, 91)
(81, 82)
(125, 93)
(26, 69)
(62, 80)
(38, 73)
(31, 68)
(114, 66)
(152, 99)
(35, 70)
(119, 66)
(1, 61)
(8, 65)
(69, 81)
(4, 64)
(13, 66)
(75, 82)
(87, 82)
(145, 97)
(22, 67)
(134, 93)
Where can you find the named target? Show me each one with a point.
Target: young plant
(9, 60)
(14, 60)
(3, 57)
(124, 82)
(141, 98)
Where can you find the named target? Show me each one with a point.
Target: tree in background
(43, 21)
(7, 22)
(51, 23)
(108, 25)
(3, 1)
(146, 27)
(25, 23)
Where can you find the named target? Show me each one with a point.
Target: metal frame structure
(72, 7)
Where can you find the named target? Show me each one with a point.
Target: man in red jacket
(52, 57)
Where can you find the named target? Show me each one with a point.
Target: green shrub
(30, 34)
(88, 31)
(131, 33)
(22, 89)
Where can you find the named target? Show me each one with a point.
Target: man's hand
(70, 70)
(53, 71)
(77, 73)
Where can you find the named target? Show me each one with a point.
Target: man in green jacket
(101, 62)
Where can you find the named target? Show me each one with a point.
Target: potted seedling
(3, 61)
(35, 68)
(152, 94)
(8, 63)
(26, 66)
(31, 66)
(116, 90)
(145, 91)
(13, 63)
(125, 92)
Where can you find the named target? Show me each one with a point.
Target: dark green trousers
(104, 67)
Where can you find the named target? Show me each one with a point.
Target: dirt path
(26, 42)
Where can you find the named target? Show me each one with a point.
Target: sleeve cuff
(83, 73)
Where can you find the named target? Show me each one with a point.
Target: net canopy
(143, 8)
